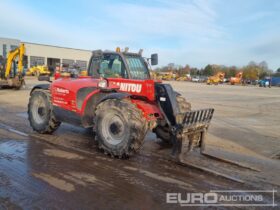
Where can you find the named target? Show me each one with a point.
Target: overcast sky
(228, 32)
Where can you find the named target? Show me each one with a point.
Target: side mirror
(44, 78)
(154, 59)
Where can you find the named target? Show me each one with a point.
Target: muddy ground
(66, 171)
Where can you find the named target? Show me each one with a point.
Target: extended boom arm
(12, 56)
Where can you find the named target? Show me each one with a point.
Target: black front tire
(120, 127)
(40, 114)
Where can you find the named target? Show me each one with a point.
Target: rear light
(102, 84)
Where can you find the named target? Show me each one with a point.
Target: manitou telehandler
(11, 75)
(120, 101)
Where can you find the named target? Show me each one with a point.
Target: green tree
(194, 71)
(251, 72)
(232, 71)
(208, 70)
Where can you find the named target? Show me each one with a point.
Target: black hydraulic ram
(191, 132)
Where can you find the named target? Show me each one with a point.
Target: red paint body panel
(145, 88)
(64, 93)
(150, 109)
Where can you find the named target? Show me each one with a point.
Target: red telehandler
(121, 102)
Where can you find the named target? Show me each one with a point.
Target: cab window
(94, 66)
(112, 66)
(137, 67)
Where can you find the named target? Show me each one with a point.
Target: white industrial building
(41, 54)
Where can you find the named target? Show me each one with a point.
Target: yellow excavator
(216, 79)
(38, 70)
(168, 76)
(10, 76)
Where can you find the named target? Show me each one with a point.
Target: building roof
(14, 40)
(17, 40)
(55, 46)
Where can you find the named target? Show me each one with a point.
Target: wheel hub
(113, 129)
(39, 111)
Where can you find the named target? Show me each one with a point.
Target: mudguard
(114, 96)
(41, 86)
(95, 99)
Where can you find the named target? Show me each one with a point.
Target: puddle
(13, 150)
(11, 129)
(23, 115)
(13, 155)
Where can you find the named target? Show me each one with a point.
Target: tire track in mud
(55, 182)
(13, 130)
(58, 153)
(104, 175)
(65, 154)
(133, 172)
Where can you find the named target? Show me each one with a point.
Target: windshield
(111, 66)
(137, 67)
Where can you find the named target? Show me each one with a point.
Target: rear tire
(163, 132)
(120, 127)
(40, 114)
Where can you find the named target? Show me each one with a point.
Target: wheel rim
(113, 129)
(39, 110)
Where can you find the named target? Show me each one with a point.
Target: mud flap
(191, 133)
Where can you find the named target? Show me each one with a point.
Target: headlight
(102, 84)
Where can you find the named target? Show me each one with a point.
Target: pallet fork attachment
(191, 133)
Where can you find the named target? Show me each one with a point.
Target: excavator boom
(16, 80)
(12, 56)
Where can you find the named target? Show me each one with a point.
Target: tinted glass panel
(137, 67)
(112, 66)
